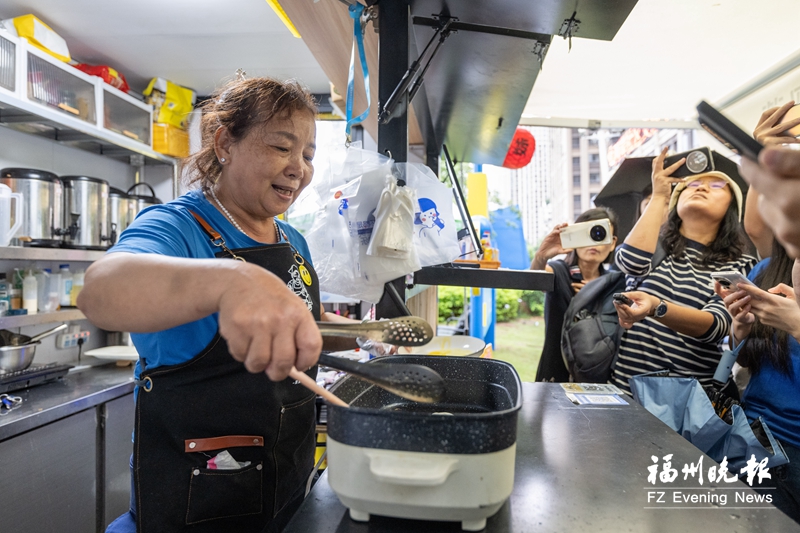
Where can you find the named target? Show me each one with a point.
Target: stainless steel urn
(86, 212)
(42, 199)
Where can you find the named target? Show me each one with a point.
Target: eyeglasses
(713, 184)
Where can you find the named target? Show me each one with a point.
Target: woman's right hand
(266, 325)
(737, 302)
(662, 177)
(549, 248)
(770, 130)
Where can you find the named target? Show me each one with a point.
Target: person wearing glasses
(676, 321)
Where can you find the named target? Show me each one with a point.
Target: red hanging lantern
(521, 150)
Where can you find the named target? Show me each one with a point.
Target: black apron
(188, 413)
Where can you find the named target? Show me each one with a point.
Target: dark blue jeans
(785, 484)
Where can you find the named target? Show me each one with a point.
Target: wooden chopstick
(312, 385)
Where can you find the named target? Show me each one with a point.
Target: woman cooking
(217, 337)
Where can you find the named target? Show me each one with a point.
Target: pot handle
(399, 469)
(132, 187)
(17, 197)
(47, 333)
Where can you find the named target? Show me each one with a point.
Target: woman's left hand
(577, 285)
(643, 306)
(775, 308)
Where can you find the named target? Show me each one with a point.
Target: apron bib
(188, 413)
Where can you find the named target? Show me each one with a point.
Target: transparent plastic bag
(435, 236)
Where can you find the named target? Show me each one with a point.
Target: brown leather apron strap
(206, 226)
(220, 443)
(216, 238)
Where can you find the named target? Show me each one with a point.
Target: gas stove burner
(32, 376)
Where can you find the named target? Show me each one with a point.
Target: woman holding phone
(580, 266)
(676, 321)
(766, 320)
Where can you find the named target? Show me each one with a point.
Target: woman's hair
(729, 244)
(648, 191)
(240, 106)
(766, 342)
(598, 213)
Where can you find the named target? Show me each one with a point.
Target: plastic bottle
(16, 289)
(77, 285)
(5, 294)
(65, 288)
(30, 293)
(42, 289)
(53, 296)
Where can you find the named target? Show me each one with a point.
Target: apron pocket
(294, 450)
(215, 494)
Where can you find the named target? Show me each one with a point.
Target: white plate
(448, 345)
(115, 353)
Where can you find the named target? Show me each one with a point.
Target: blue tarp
(508, 237)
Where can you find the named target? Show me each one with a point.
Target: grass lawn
(520, 342)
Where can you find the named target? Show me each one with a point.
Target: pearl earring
(222, 160)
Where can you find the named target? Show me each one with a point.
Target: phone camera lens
(597, 233)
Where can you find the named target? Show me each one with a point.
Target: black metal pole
(393, 24)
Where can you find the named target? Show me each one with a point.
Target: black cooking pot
(477, 415)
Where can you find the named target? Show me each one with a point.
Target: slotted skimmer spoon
(402, 331)
(413, 382)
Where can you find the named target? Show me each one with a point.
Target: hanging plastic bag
(435, 235)
(341, 232)
(392, 235)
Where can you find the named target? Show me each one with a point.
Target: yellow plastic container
(170, 140)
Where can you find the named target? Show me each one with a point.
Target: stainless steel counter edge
(76, 392)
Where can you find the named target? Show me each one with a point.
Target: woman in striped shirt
(676, 321)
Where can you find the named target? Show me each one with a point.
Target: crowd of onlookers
(679, 317)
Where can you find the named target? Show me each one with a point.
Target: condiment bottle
(30, 293)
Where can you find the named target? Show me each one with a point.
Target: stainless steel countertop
(77, 391)
(580, 468)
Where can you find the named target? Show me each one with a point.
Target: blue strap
(358, 38)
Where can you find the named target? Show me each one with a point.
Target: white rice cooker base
(466, 488)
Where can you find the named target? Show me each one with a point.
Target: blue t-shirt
(772, 394)
(170, 229)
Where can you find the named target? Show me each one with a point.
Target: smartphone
(793, 113)
(584, 234)
(621, 298)
(698, 161)
(727, 132)
(729, 280)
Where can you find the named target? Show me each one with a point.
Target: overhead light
(276, 7)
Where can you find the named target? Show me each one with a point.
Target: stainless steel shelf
(7, 322)
(48, 254)
(36, 119)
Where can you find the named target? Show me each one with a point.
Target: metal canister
(86, 209)
(121, 211)
(143, 201)
(42, 199)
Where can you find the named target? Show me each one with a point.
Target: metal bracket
(569, 28)
(540, 50)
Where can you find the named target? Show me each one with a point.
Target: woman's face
(596, 254)
(271, 165)
(705, 197)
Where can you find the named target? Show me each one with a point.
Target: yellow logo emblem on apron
(305, 274)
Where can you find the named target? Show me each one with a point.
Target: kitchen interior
(79, 157)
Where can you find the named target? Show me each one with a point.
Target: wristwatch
(660, 310)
